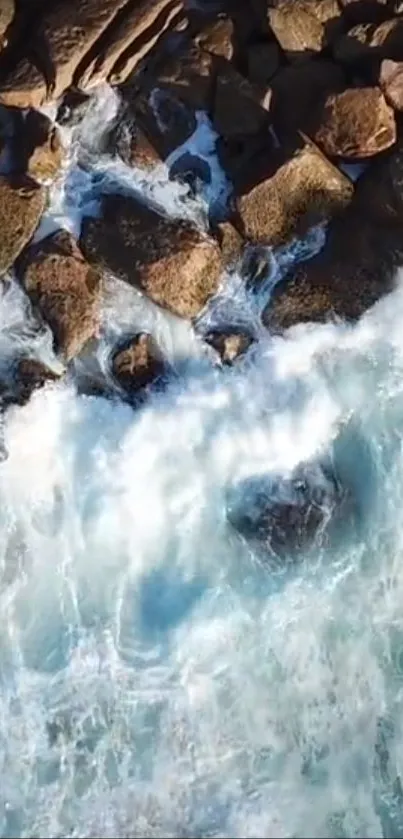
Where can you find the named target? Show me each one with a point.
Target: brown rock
(128, 140)
(230, 241)
(356, 124)
(68, 32)
(39, 147)
(138, 363)
(230, 344)
(263, 61)
(218, 37)
(298, 91)
(362, 11)
(7, 12)
(358, 263)
(22, 202)
(301, 27)
(189, 76)
(305, 190)
(64, 288)
(171, 261)
(164, 120)
(132, 34)
(30, 375)
(237, 107)
(391, 83)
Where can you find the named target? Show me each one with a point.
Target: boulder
(138, 363)
(303, 27)
(304, 190)
(65, 290)
(238, 108)
(286, 515)
(65, 35)
(128, 140)
(230, 344)
(264, 60)
(230, 241)
(170, 261)
(22, 202)
(30, 374)
(218, 37)
(189, 75)
(298, 91)
(163, 119)
(391, 83)
(356, 124)
(39, 147)
(132, 34)
(7, 12)
(358, 263)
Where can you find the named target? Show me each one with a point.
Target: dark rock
(171, 261)
(138, 363)
(31, 374)
(391, 83)
(73, 107)
(164, 120)
(238, 108)
(298, 91)
(230, 241)
(371, 42)
(192, 170)
(303, 191)
(64, 288)
(22, 202)
(356, 124)
(39, 147)
(264, 60)
(284, 516)
(230, 344)
(7, 13)
(190, 77)
(364, 11)
(128, 140)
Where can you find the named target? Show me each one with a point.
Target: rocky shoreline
(294, 89)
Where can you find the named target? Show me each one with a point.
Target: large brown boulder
(22, 202)
(171, 261)
(39, 147)
(303, 27)
(391, 83)
(358, 263)
(64, 288)
(356, 124)
(128, 39)
(304, 190)
(138, 363)
(66, 34)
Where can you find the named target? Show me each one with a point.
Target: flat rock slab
(22, 202)
(305, 190)
(65, 289)
(176, 265)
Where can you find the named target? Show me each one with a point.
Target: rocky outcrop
(284, 516)
(356, 124)
(39, 147)
(169, 260)
(138, 363)
(65, 290)
(230, 344)
(22, 202)
(304, 190)
(358, 263)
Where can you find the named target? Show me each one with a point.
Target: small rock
(218, 37)
(31, 374)
(230, 344)
(237, 109)
(64, 288)
(128, 140)
(163, 119)
(22, 202)
(391, 83)
(287, 515)
(263, 61)
(230, 241)
(138, 363)
(171, 261)
(304, 190)
(39, 147)
(356, 124)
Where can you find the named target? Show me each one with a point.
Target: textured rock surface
(22, 202)
(356, 124)
(39, 147)
(64, 288)
(230, 344)
(137, 363)
(171, 261)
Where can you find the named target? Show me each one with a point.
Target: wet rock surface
(138, 363)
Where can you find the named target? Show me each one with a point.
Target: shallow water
(157, 677)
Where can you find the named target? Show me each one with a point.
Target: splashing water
(156, 678)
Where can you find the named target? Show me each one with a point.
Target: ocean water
(157, 676)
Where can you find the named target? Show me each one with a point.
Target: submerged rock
(30, 374)
(284, 516)
(138, 363)
(171, 261)
(22, 202)
(65, 289)
(230, 344)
